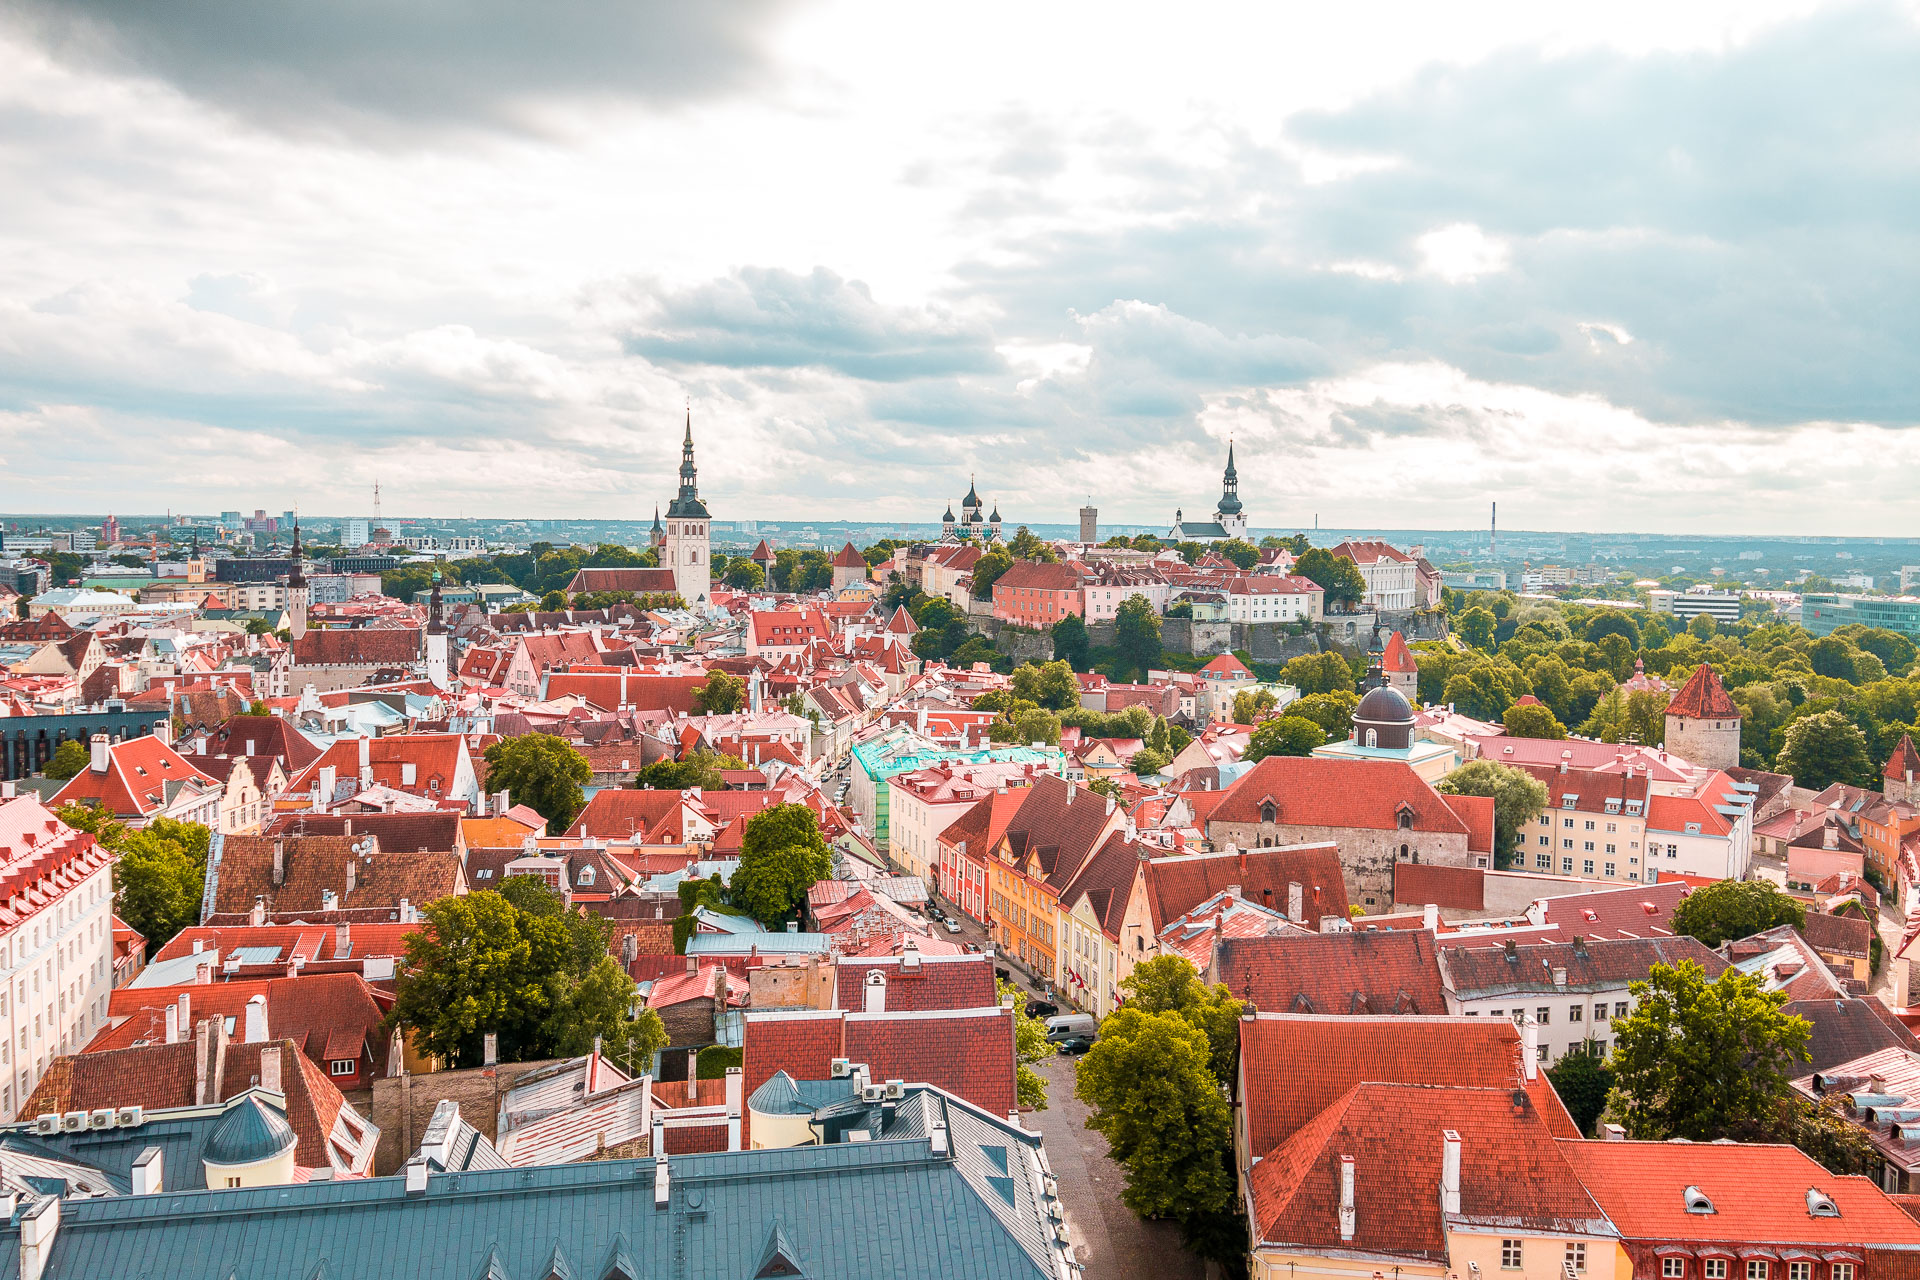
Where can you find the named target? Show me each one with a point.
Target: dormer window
(1698, 1201)
(1820, 1204)
(586, 875)
(1267, 811)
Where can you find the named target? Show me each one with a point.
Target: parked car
(1003, 973)
(974, 947)
(1062, 1025)
(1074, 1046)
(1041, 1008)
(951, 926)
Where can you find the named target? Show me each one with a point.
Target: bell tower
(298, 593)
(689, 536)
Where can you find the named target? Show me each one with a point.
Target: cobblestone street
(1112, 1243)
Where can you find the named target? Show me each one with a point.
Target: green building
(1825, 614)
(902, 750)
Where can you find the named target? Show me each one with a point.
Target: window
(1589, 824)
(1568, 823)
(233, 1182)
(1799, 1271)
(1610, 868)
(340, 1067)
(1620, 1008)
(1566, 865)
(1543, 1016)
(1672, 1268)
(1756, 1269)
(1543, 861)
(1576, 1258)
(1509, 1255)
(1573, 1014)
(1566, 844)
(1599, 1013)
(1586, 866)
(1843, 1271)
(1587, 846)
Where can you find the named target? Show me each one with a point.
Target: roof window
(1698, 1201)
(1820, 1204)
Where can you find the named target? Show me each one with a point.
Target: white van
(1062, 1025)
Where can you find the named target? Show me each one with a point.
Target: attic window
(1820, 1204)
(1698, 1201)
(1266, 811)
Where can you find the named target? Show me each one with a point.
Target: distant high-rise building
(1089, 524)
(355, 532)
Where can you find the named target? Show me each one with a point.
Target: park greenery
(1729, 909)
(782, 855)
(518, 963)
(160, 871)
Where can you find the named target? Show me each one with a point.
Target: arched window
(1406, 820)
(1373, 737)
(1403, 853)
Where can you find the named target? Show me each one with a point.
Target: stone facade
(1367, 855)
(1712, 744)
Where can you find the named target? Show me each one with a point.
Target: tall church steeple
(688, 536)
(1229, 515)
(298, 593)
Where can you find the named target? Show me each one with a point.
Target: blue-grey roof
(250, 1132)
(767, 944)
(782, 1095)
(886, 1210)
(180, 1133)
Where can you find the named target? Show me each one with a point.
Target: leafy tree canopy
(1285, 735)
(1730, 909)
(782, 855)
(542, 771)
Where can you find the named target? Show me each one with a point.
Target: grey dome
(1386, 713)
(250, 1132)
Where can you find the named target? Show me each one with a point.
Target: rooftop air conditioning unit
(47, 1122)
(896, 1089)
(873, 1093)
(128, 1117)
(840, 1068)
(74, 1121)
(101, 1118)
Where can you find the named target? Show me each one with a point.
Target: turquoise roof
(891, 1209)
(901, 750)
(250, 1132)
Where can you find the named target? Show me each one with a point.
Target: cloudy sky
(1648, 266)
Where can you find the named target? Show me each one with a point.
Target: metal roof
(890, 1209)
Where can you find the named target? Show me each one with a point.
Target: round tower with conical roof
(1703, 724)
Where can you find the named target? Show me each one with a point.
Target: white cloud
(1613, 333)
(1461, 253)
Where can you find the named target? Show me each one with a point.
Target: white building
(1709, 833)
(355, 532)
(1229, 521)
(71, 602)
(56, 950)
(1105, 593)
(1264, 597)
(1393, 579)
(1721, 606)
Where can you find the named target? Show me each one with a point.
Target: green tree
(722, 694)
(1027, 545)
(1332, 711)
(1026, 724)
(1150, 1082)
(1702, 626)
(1583, 1081)
(1137, 635)
(554, 601)
(701, 771)
(1070, 641)
(1147, 762)
(1476, 627)
(1338, 577)
(1287, 735)
(1703, 1060)
(1050, 685)
(987, 570)
(159, 879)
(1639, 717)
(1242, 553)
(782, 855)
(69, 761)
(714, 1060)
(1170, 984)
(1518, 798)
(745, 575)
(541, 771)
(1319, 673)
(1250, 705)
(1030, 1045)
(1532, 721)
(1822, 749)
(1729, 909)
(1606, 622)
(469, 972)
(599, 1005)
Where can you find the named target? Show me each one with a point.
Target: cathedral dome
(1387, 716)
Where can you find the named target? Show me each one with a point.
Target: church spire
(1229, 487)
(296, 569)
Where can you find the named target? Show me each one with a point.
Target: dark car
(1074, 1046)
(1002, 973)
(1041, 1008)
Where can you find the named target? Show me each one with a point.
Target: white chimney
(407, 773)
(660, 1186)
(258, 916)
(173, 1024)
(270, 1069)
(1346, 1198)
(256, 1019)
(329, 782)
(185, 1007)
(1450, 1171)
(1430, 917)
(39, 1224)
(366, 762)
(736, 1092)
(1530, 1048)
(101, 753)
(148, 1172)
(876, 1001)
(417, 1176)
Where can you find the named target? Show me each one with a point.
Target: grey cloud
(771, 318)
(377, 69)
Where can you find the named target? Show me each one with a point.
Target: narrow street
(1107, 1238)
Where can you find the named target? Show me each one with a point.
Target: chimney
(736, 1089)
(1430, 917)
(101, 754)
(501, 803)
(270, 1069)
(660, 1185)
(1346, 1198)
(173, 1024)
(416, 1172)
(693, 1076)
(366, 762)
(203, 972)
(353, 873)
(1530, 1048)
(1559, 977)
(39, 1224)
(279, 862)
(1611, 1132)
(342, 940)
(1296, 901)
(1450, 1171)
(406, 911)
(256, 1025)
(876, 1001)
(329, 782)
(185, 1007)
(149, 1172)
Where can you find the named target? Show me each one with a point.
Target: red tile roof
(1177, 885)
(134, 783)
(848, 558)
(1398, 658)
(1703, 697)
(1450, 888)
(1759, 1193)
(1362, 972)
(1513, 1174)
(1477, 813)
(1294, 1067)
(1337, 793)
(436, 759)
(638, 581)
(966, 1052)
(1904, 760)
(358, 647)
(1227, 666)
